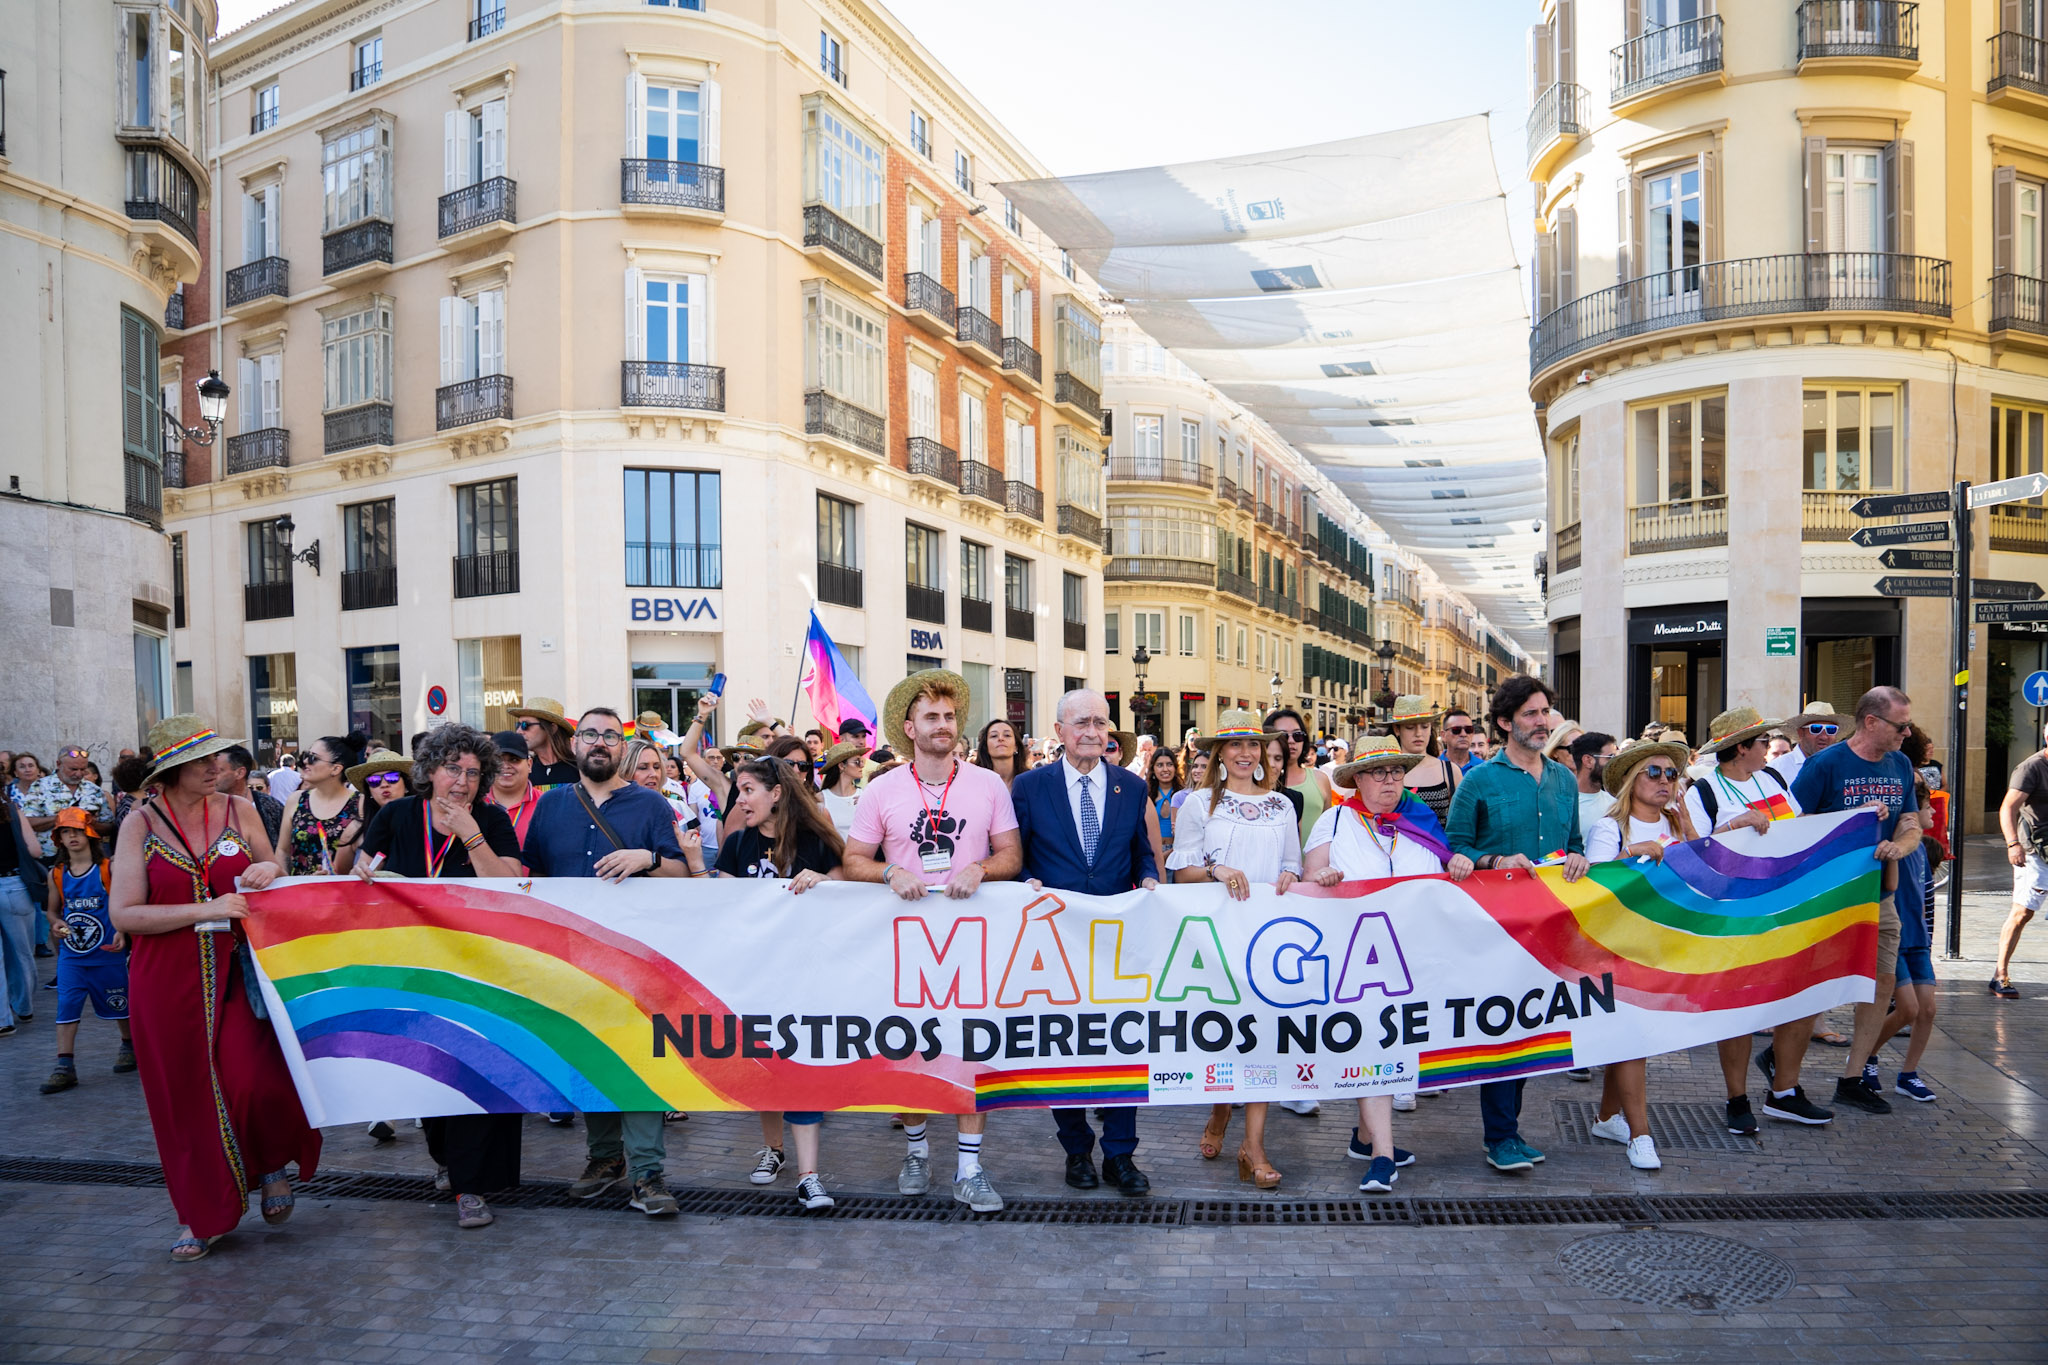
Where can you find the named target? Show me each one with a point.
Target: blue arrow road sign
(2035, 688)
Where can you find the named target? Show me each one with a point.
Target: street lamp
(1274, 682)
(309, 556)
(1385, 654)
(1141, 658)
(213, 406)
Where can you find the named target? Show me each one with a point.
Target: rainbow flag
(836, 694)
(1043, 1087)
(1496, 1061)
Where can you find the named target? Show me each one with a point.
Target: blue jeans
(1119, 1130)
(1500, 1110)
(637, 1137)
(17, 947)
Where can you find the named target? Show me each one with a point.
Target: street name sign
(1906, 504)
(1906, 533)
(1995, 613)
(2005, 589)
(1906, 585)
(1928, 561)
(2005, 490)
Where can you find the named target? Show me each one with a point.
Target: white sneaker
(1405, 1104)
(1614, 1129)
(1642, 1154)
(1302, 1107)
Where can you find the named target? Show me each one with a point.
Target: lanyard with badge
(937, 860)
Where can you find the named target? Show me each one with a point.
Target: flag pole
(803, 659)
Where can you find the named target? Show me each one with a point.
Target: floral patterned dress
(314, 842)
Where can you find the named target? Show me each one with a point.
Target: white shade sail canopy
(1363, 298)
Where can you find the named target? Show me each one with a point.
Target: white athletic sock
(914, 1135)
(970, 1155)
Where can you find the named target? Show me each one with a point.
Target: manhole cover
(1677, 1270)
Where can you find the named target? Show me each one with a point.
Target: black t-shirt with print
(746, 854)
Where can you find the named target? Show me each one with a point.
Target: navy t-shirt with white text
(1835, 779)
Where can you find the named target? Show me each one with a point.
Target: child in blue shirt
(92, 961)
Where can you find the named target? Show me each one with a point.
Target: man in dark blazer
(1083, 825)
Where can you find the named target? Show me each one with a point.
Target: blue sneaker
(1532, 1153)
(1912, 1087)
(1507, 1155)
(1379, 1177)
(1362, 1151)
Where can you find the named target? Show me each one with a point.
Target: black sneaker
(2003, 988)
(561, 1120)
(1741, 1121)
(597, 1177)
(1857, 1095)
(1767, 1062)
(63, 1078)
(651, 1196)
(1796, 1108)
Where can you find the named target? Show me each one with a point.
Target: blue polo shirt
(563, 841)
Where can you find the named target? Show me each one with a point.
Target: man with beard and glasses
(606, 827)
(1515, 810)
(1589, 754)
(937, 824)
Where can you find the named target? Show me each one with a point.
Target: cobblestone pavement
(361, 1280)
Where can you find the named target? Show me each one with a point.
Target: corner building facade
(592, 347)
(1787, 257)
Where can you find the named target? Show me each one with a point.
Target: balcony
(924, 604)
(487, 203)
(486, 23)
(1244, 499)
(1729, 291)
(979, 329)
(1018, 356)
(2019, 303)
(684, 186)
(1237, 585)
(362, 589)
(1146, 569)
(1825, 516)
(1561, 116)
(927, 459)
(143, 487)
(978, 480)
(486, 398)
(174, 469)
(841, 421)
(667, 564)
(1875, 36)
(1021, 499)
(358, 245)
(1568, 546)
(1264, 514)
(671, 384)
(2020, 528)
(2019, 72)
(161, 190)
(1074, 634)
(1080, 524)
(269, 278)
(976, 614)
(839, 583)
(1142, 469)
(1019, 624)
(354, 428)
(1681, 54)
(492, 574)
(930, 303)
(827, 231)
(267, 448)
(1226, 487)
(1695, 524)
(1078, 396)
(266, 601)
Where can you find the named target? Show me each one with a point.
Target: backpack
(1712, 803)
(106, 877)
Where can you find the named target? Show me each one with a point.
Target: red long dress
(221, 1099)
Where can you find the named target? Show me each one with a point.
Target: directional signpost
(2005, 589)
(1905, 533)
(1905, 585)
(1903, 505)
(2005, 490)
(2011, 613)
(1927, 561)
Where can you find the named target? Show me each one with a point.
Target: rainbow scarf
(1411, 819)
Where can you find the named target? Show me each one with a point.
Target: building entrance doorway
(1677, 672)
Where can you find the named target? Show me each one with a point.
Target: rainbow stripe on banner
(1496, 1061)
(1035, 1088)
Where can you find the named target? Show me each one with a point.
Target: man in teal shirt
(1515, 810)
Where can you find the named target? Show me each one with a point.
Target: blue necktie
(1091, 827)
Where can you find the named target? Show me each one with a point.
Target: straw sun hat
(382, 761)
(549, 710)
(1621, 769)
(1377, 751)
(1737, 726)
(900, 696)
(1231, 725)
(177, 740)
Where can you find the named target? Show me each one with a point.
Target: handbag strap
(603, 825)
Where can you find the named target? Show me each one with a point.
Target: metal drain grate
(1677, 1270)
(1968, 1204)
(1719, 1208)
(1300, 1213)
(1687, 1127)
(1564, 1209)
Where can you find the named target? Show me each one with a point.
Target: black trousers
(1119, 1130)
(481, 1151)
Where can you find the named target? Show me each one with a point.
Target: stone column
(1763, 542)
(1603, 520)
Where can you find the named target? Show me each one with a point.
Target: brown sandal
(1213, 1134)
(1261, 1175)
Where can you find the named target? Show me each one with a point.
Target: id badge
(937, 862)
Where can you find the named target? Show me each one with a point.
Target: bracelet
(888, 872)
(473, 842)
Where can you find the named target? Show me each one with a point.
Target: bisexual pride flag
(836, 694)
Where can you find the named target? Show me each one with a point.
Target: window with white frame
(367, 68)
(355, 172)
(963, 170)
(259, 222)
(260, 392)
(922, 390)
(265, 109)
(1850, 439)
(973, 571)
(667, 314)
(1017, 319)
(1222, 642)
(1190, 449)
(1017, 583)
(831, 57)
(1259, 650)
(473, 145)
(1187, 636)
(1077, 342)
(1080, 471)
(1162, 530)
(1112, 631)
(922, 228)
(1012, 220)
(1240, 646)
(1067, 264)
(843, 165)
(843, 348)
(472, 335)
(1148, 628)
(355, 344)
(1680, 451)
(2026, 234)
(673, 121)
(973, 424)
(920, 133)
(1147, 444)
(972, 284)
(1568, 478)
(1020, 450)
(162, 75)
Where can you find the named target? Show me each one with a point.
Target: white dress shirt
(1097, 778)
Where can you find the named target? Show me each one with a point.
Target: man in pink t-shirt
(935, 822)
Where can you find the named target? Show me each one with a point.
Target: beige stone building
(1788, 256)
(103, 127)
(590, 343)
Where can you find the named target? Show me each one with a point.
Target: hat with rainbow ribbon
(1231, 725)
(177, 740)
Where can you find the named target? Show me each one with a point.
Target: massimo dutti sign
(1679, 627)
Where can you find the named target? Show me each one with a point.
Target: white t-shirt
(283, 782)
(1363, 854)
(1258, 835)
(1787, 766)
(840, 808)
(1730, 796)
(1604, 842)
(1592, 806)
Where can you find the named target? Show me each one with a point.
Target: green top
(1312, 803)
(1500, 809)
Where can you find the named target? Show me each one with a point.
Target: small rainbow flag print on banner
(1061, 1086)
(1496, 1061)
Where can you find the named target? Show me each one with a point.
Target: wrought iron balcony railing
(1018, 356)
(924, 604)
(825, 415)
(1664, 56)
(2019, 303)
(1080, 523)
(174, 311)
(486, 398)
(1071, 391)
(667, 564)
(1019, 624)
(142, 482)
(362, 589)
(354, 428)
(162, 190)
(976, 614)
(1023, 499)
(839, 583)
(486, 23)
(1568, 546)
(265, 448)
(672, 184)
(1859, 28)
(1758, 286)
(487, 201)
(259, 279)
(923, 294)
(824, 228)
(354, 245)
(174, 469)
(2018, 60)
(978, 480)
(1151, 569)
(492, 574)
(927, 457)
(671, 384)
(1563, 110)
(1076, 634)
(1237, 585)
(1144, 469)
(979, 328)
(266, 601)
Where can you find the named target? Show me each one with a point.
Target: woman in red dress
(221, 1100)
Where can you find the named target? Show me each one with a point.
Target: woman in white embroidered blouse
(1237, 830)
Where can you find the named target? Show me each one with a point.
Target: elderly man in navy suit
(1082, 822)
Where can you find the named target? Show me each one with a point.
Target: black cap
(856, 726)
(511, 742)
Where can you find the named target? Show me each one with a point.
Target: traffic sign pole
(1959, 717)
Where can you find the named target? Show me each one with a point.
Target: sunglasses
(1656, 772)
(1822, 729)
(527, 725)
(1457, 729)
(383, 779)
(1904, 727)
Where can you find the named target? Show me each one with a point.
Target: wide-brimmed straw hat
(1621, 769)
(1379, 751)
(1818, 712)
(1562, 734)
(897, 706)
(547, 709)
(177, 740)
(381, 761)
(1126, 745)
(1412, 709)
(841, 752)
(1232, 725)
(1737, 725)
